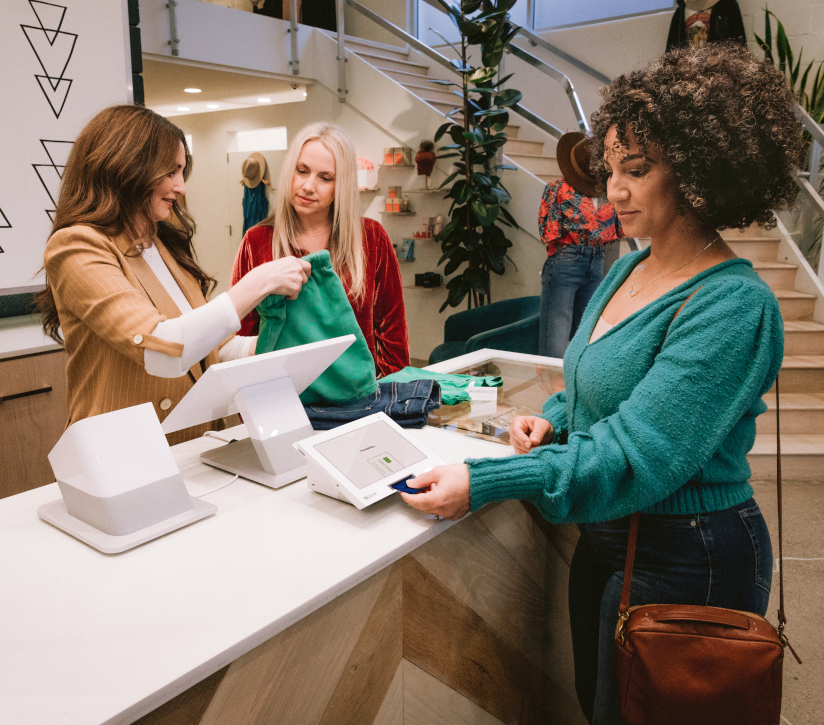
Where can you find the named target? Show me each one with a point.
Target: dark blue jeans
(720, 559)
(569, 278)
(408, 404)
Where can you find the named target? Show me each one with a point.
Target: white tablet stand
(264, 389)
(120, 484)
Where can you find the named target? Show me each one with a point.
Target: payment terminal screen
(370, 453)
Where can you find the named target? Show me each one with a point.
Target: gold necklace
(633, 291)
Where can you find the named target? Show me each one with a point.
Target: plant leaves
(508, 98)
(481, 75)
(485, 213)
(460, 67)
(442, 130)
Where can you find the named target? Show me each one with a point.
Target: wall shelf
(397, 166)
(369, 191)
(412, 286)
(400, 213)
(427, 191)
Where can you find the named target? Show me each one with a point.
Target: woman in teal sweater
(665, 376)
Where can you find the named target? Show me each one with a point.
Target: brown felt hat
(573, 153)
(254, 169)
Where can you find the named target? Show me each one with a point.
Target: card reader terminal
(401, 486)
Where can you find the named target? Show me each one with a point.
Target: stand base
(241, 458)
(56, 514)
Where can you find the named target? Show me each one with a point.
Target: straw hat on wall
(254, 169)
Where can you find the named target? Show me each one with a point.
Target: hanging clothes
(453, 387)
(320, 312)
(255, 206)
(720, 22)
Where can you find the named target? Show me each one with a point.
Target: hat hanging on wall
(573, 152)
(254, 169)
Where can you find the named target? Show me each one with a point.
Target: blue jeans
(569, 278)
(408, 404)
(720, 559)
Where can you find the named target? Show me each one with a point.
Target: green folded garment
(453, 387)
(320, 312)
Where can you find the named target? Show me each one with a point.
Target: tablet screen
(370, 453)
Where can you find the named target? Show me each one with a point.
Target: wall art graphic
(53, 48)
(50, 174)
(4, 221)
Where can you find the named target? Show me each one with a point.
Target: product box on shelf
(395, 192)
(407, 249)
(389, 156)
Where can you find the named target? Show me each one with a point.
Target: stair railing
(808, 183)
(413, 42)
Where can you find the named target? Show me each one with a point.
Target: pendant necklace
(633, 291)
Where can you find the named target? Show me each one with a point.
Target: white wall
(88, 74)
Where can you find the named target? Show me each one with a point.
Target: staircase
(394, 62)
(802, 372)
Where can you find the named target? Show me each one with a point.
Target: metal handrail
(442, 60)
(549, 70)
(293, 36)
(571, 59)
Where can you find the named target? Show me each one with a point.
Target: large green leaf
(470, 6)
(507, 98)
(485, 213)
(474, 137)
(492, 53)
(782, 45)
(442, 130)
(481, 75)
(460, 67)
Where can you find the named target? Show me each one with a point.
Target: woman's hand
(529, 431)
(284, 276)
(448, 493)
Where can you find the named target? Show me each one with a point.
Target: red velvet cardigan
(381, 315)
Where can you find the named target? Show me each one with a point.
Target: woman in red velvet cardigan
(317, 208)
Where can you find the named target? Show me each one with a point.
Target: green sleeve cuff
(501, 479)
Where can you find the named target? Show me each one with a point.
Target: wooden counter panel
(32, 424)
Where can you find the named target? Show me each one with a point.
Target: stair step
(548, 178)
(803, 337)
(415, 79)
(378, 50)
(535, 164)
(751, 231)
(795, 305)
(800, 413)
(756, 249)
(802, 374)
(776, 275)
(428, 94)
(802, 456)
(521, 146)
(390, 63)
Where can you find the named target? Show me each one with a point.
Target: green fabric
(320, 312)
(659, 412)
(453, 387)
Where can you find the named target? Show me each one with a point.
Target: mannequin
(697, 22)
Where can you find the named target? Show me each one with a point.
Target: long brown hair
(114, 166)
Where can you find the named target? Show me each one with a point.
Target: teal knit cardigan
(659, 412)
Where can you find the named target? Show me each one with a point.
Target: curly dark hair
(724, 120)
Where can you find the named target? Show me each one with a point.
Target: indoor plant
(474, 235)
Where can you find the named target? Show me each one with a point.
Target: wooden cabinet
(33, 415)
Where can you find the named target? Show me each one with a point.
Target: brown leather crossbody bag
(686, 664)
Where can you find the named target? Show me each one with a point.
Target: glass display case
(528, 380)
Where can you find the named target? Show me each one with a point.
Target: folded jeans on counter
(408, 404)
(453, 387)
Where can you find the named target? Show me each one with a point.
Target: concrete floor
(803, 593)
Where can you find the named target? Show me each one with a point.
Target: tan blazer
(108, 304)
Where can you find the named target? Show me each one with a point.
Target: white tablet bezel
(380, 489)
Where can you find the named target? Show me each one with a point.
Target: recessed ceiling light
(264, 100)
(212, 105)
(191, 90)
(182, 108)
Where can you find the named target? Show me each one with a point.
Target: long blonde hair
(346, 241)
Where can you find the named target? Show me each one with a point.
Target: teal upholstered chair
(508, 325)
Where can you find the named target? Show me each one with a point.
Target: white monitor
(264, 389)
(359, 462)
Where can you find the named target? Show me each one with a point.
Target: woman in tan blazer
(122, 282)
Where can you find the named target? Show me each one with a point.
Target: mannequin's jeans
(569, 278)
(719, 559)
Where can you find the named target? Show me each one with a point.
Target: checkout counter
(293, 607)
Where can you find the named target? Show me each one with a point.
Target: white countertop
(87, 638)
(23, 336)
